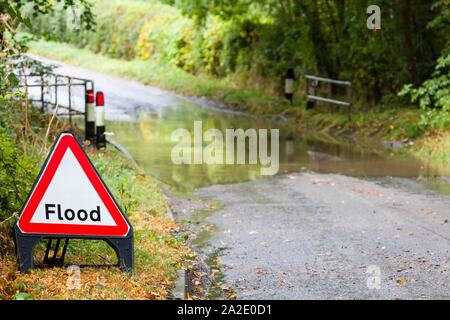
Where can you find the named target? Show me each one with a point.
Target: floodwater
(148, 138)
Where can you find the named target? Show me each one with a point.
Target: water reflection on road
(148, 138)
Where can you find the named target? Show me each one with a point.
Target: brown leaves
(156, 258)
(162, 225)
(8, 271)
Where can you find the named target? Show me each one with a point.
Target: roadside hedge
(150, 30)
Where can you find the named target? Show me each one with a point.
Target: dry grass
(433, 149)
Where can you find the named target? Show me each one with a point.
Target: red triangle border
(67, 140)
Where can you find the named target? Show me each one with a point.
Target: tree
(407, 44)
(16, 168)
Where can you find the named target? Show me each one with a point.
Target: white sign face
(71, 199)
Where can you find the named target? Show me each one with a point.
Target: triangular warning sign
(69, 197)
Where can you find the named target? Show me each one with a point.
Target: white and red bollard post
(100, 120)
(90, 116)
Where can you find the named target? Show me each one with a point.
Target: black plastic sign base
(25, 244)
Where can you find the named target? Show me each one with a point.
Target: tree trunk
(321, 49)
(406, 40)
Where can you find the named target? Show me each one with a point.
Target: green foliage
(15, 13)
(433, 97)
(17, 173)
(255, 42)
(22, 296)
(23, 10)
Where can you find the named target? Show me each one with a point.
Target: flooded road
(148, 137)
(340, 221)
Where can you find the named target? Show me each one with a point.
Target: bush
(149, 30)
(433, 97)
(17, 173)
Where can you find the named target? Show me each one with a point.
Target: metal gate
(52, 92)
(312, 94)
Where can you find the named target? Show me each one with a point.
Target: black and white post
(100, 120)
(90, 116)
(289, 85)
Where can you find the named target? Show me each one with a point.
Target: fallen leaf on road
(260, 273)
(401, 282)
(323, 181)
(369, 192)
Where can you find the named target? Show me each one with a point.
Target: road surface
(325, 236)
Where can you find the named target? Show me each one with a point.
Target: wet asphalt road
(314, 236)
(123, 98)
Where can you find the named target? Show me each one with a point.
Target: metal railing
(312, 83)
(49, 95)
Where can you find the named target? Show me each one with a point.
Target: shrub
(433, 97)
(17, 173)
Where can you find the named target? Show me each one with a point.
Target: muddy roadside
(204, 278)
